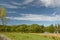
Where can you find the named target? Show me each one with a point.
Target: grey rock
(2, 37)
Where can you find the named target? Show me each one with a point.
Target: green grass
(28, 36)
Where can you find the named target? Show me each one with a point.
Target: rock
(2, 37)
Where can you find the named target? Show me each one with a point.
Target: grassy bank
(28, 36)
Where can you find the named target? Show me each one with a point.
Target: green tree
(51, 28)
(35, 28)
(3, 15)
(22, 28)
(58, 28)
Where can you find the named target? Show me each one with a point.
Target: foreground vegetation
(28, 36)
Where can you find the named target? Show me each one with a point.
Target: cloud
(54, 13)
(27, 1)
(34, 17)
(16, 3)
(51, 3)
(11, 12)
(9, 6)
(46, 3)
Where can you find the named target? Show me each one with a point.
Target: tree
(58, 28)
(3, 15)
(23, 28)
(51, 28)
(35, 28)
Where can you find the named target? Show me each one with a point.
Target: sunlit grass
(29, 36)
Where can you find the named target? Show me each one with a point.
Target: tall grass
(29, 36)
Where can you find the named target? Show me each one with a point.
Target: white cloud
(8, 6)
(11, 12)
(46, 3)
(24, 7)
(34, 17)
(16, 3)
(51, 3)
(27, 1)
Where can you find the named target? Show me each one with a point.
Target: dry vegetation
(51, 34)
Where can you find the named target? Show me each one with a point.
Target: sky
(42, 12)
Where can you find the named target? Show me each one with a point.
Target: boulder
(2, 37)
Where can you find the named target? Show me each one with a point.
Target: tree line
(34, 28)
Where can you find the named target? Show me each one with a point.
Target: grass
(29, 36)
